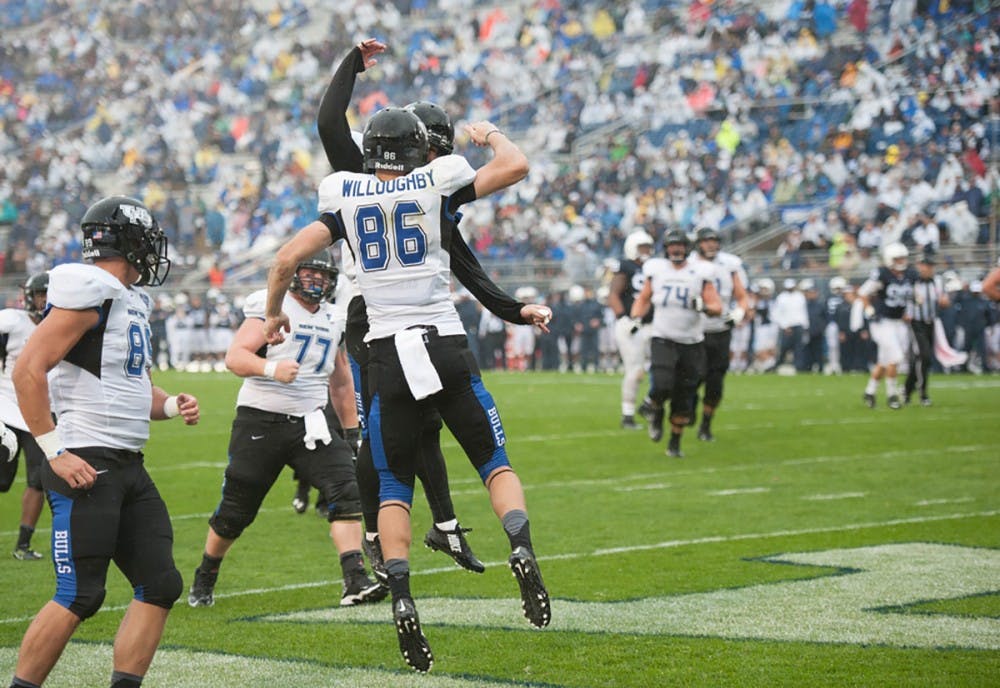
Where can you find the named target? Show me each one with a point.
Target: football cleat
(894, 403)
(534, 596)
(705, 435)
(360, 589)
(926, 401)
(869, 400)
(675, 453)
(301, 501)
(628, 423)
(412, 643)
(202, 592)
(454, 544)
(654, 416)
(373, 552)
(26, 554)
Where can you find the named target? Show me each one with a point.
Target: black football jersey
(634, 279)
(896, 292)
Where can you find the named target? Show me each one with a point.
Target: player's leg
(33, 497)
(471, 414)
(663, 358)
(689, 371)
(258, 447)
(717, 364)
(84, 528)
(144, 553)
(330, 469)
(630, 349)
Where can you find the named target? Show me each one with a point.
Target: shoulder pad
(451, 173)
(255, 304)
(79, 286)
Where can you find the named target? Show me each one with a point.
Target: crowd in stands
(876, 115)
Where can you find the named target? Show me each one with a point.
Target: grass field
(816, 542)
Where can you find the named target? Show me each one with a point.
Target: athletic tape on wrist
(170, 408)
(269, 369)
(51, 444)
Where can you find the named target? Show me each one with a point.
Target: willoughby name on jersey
(394, 231)
(312, 342)
(674, 291)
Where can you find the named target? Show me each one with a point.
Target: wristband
(269, 369)
(170, 407)
(486, 139)
(51, 444)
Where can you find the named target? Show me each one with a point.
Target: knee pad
(163, 590)
(230, 524)
(86, 603)
(345, 502)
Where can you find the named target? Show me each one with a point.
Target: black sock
(24, 537)
(515, 524)
(21, 683)
(399, 578)
(210, 564)
(119, 679)
(351, 562)
(706, 420)
(675, 440)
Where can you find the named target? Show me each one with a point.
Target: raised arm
(508, 166)
(331, 120)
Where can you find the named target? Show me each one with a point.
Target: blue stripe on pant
(499, 457)
(390, 488)
(358, 399)
(62, 549)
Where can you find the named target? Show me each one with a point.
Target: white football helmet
(837, 283)
(526, 294)
(576, 294)
(765, 284)
(895, 256)
(632, 243)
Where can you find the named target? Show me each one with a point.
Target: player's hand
(369, 48)
(636, 325)
(274, 327)
(698, 304)
(77, 473)
(478, 131)
(736, 315)
(188, 406)
(286, 371)
(535, 314)
(869, 311)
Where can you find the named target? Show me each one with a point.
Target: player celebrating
(280, 421)
(884, 298)
(681, 292)
(104, 505)
(419, 354)
(633, 341)
(718, 330)
(16, 325)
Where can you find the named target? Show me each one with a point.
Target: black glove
(353, 437)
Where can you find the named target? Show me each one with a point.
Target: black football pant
(676, 370)
(921, 358)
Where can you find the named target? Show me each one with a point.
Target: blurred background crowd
(809, 133)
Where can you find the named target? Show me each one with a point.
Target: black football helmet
(122, 226)
(314, 293)
(395, 140)
(440, 130)
(707, 234)
(36, 284)
(673, 238)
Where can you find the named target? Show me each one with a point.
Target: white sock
(890, 386)
(449, 526)
(628, 409)
(872, 386)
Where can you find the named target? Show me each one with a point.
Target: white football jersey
(16, 324)
(101, 391)
(674, 291)
(393, 228)
(723, 266)
(312, 341)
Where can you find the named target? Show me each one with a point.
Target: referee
(928, 296)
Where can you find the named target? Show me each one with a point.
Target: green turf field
(816, 542)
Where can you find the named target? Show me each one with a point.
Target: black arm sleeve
(470, 273)
(335, 225)
(334, 131)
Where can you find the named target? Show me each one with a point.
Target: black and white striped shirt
(923, 307)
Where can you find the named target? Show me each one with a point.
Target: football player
(633, 341)
(765, 330)
(884, 299)
(95, 340)
(343, 153)
(681, 292)
(729, 280)
(395, 225)
(280, 421)
(832, 333)
(991, 284)
(16, 325)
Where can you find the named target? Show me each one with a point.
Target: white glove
(736, 315)
(869, 311)
(698, 304)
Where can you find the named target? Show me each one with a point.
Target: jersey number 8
(372, 226)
